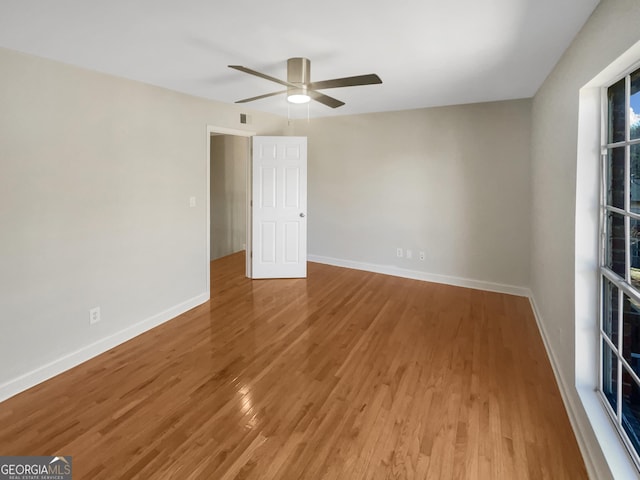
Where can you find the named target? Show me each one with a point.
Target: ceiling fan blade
(325, 99)
(369, 79)
(261, 96)
(261, 75)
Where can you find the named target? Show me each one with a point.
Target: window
(619, 380)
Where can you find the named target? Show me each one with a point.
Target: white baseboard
(50, 370)
(427, 277)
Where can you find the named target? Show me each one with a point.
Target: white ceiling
(427, 52)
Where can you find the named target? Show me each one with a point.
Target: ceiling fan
(300, 88)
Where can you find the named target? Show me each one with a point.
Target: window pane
(615, 177)
(615, 94)
(635, 105)
(634, 251)
(609, 375)
(610, 310)
(634, 189)
(616, 258)
(631, 333)
(631, 409)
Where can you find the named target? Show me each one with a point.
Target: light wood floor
(346, 375)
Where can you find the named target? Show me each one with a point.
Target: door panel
(267, 187)
(291, 242)
(268, 247)
(292, 187)
(279, 207)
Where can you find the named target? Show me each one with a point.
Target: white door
(279, 195)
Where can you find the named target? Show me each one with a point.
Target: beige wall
(229, 157)
(450, 181)
(96, 177)
(557, 254)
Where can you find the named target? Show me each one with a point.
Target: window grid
(626, 415)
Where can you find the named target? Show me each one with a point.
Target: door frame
(238, 133)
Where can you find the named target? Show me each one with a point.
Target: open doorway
(228, 205)
(228, 185)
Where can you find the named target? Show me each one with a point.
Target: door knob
(302, 215)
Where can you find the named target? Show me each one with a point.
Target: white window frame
(624, 285)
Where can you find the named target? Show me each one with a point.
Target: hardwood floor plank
(344, 375)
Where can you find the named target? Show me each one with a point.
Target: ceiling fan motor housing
(299, 73)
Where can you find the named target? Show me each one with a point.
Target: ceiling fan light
(298, 98)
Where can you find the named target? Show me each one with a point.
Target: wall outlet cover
(94, 315)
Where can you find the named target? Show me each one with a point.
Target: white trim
(424, 276)
(230, 131)
(207, 246)
(623, 284)
(248, 250)
(604, 452)
(66, 362)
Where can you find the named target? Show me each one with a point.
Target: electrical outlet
(422, 256)
(94, 315)
(399, 252)
(409, 254)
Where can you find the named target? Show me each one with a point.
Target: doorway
(228, 194)
(228, 208)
